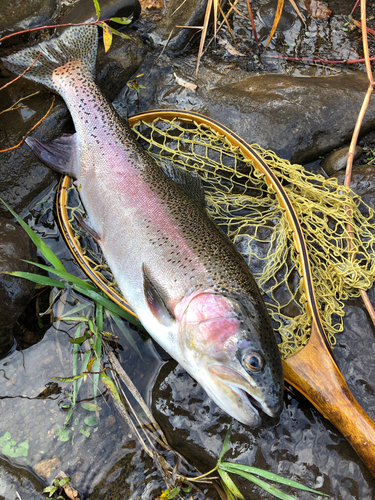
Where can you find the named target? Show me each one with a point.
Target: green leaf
(79, 340)
(84, 431)
(69, 379)
(122, 20)
(173, 493)
(234, 468)
(230, 484)
(109, 335)
(63, 434)
(39, 243)
(91, 421)
(63, 481)
(108, 382)
(82, 319)
(36, 278)
(50, 489)
(107, 36)
(90, 363)
(69, 415)
(226, 442)
(118, 33)
(91, 407)
(97, 8)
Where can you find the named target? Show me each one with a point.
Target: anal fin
(59, 154)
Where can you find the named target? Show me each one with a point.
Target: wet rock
(46, 468)
(115, 67)
(19, 480)
(362, 182)
(19, 15)
(179, 13)
(337, 160)
(22, 175)
(84, 10)
(14, 292)
(298, 118)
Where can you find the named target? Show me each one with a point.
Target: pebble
(337, 160)
(45, 468)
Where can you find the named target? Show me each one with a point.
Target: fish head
(232, 352)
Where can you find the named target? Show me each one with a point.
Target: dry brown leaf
(318, 9)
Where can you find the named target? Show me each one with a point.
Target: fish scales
(190, 288)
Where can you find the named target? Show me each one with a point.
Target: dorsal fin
(59, 153)
(189, 181)
(154, 299)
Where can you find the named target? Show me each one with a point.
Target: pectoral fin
(59, 154)
(155, 301)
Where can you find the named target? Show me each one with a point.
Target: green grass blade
(124, 330)
(39, 243)
(75, 363)
(64, 275)
(36, 278)
(99, 317)
(226, 479)
(98, 346)
(102, 299)
(234, 468)
(226, 443)
(267, 487)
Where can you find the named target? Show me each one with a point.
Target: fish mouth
(244, 393)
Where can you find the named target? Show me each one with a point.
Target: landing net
(247, 209)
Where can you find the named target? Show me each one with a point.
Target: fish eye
(252, 362)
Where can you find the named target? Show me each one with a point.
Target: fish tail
(78, 43)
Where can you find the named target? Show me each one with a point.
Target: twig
(253, 23)
(32, 128)
(353, 143)
(29, 30)
(19, 76)
(13, 106)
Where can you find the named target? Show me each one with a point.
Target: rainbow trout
(190, 288)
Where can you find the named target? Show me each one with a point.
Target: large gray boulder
(299, 118)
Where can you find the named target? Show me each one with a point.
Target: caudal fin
(78, 43)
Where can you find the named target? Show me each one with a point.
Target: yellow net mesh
(246, 207)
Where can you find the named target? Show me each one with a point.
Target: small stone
(46, 467)
(337, 160)
(109, 421)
